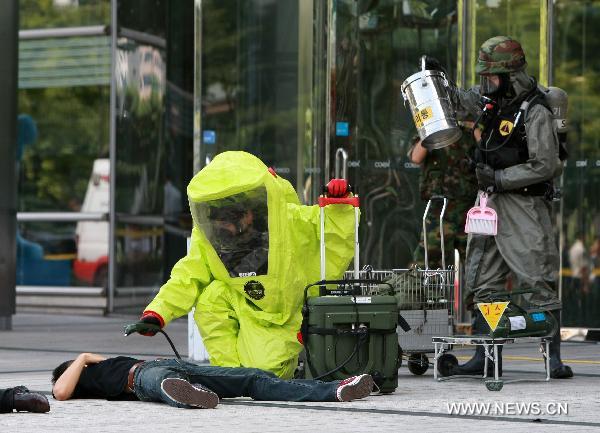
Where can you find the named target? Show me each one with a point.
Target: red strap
(155, 315)
(299, 337)
(272, 171)
(352, 201)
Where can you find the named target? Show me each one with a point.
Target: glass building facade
(291, 81)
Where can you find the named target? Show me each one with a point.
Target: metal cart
(444, 362)
(426, 299)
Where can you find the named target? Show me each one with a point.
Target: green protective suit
(525, 246)
(254, 248)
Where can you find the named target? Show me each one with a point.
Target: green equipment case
(518, 322)
(351, 335)
(346, 332)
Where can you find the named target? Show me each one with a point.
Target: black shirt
(106, 379)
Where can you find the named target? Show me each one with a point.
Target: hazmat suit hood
(239, 207)
(522, 84)
(231, 211)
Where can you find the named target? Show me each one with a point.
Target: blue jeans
(228, 382)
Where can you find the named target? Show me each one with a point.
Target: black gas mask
(495, 86)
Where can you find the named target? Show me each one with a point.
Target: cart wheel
(447, 364)
(494, 385)
(418, 363)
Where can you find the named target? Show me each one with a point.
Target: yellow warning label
(492, 311)
(505, 127)
(422, 116)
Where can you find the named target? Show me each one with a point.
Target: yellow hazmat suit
(254, 248)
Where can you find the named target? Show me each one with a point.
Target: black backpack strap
(536, 97)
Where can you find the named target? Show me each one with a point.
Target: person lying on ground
(21, 399)
(184, 384)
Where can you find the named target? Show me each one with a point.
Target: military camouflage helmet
(500, 55)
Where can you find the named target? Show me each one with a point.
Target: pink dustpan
(482, 220)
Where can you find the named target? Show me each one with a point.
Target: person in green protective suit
(254, 248)
(517, 156)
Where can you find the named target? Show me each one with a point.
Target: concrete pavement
(39, 343)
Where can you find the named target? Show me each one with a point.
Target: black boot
(558, 370)
(475, 365)
(30, 402)
(22, 400)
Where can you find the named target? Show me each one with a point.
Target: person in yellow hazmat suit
(254, 248)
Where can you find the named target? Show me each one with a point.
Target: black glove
(147, 325)
(433, 64)
(487, 178)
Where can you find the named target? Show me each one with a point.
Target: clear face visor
(237, 228)
(489, 84)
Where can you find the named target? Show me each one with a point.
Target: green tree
(72, 132)
(37, 14)
(72, 121)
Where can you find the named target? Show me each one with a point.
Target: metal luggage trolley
(492, 344)
(443, 362)
(425, 297)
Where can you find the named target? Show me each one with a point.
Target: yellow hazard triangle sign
(505, 127)
(492, 312)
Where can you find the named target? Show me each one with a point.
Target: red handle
(352, 201)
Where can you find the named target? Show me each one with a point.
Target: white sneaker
(355, 387)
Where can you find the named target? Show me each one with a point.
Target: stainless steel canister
(427, 95)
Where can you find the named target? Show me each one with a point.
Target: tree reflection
(577, 70)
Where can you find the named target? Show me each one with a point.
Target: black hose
(343, 364)
(359, 341)
(360, 338)
(171, 343)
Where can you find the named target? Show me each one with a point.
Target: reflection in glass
(517, 19)
(154, 74)
(54, 170)
(37, 14)
(141, 86)
(378, 45)
(53, 167)
(91, 265)
(250, 78)
(64, 97)
(577, 71)
(45, 252)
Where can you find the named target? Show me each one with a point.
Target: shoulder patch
(506, 126)
(254, 289)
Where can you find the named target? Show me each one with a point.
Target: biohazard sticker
(505, 127)
(254, 289)
(492, 311)
(422, 116)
